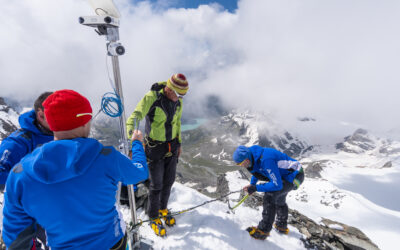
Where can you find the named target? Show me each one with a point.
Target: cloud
(335, 61)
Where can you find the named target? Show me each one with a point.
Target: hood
(257, 152)
(27, 121)
(61, 160)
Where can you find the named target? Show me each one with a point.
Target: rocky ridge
(361, 141)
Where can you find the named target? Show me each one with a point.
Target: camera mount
(109, 27)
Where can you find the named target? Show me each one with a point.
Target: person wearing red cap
(162, 108)
(77, 178)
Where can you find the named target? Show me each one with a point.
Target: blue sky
(230, 5)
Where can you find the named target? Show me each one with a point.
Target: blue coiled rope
(111, 104)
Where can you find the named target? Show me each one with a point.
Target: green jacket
(163, 116)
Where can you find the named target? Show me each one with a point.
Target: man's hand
(250, 189)
(137, 135)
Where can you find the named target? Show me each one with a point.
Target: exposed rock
(351, 237)
(3, 105)
(363, 142)
(340, 145)
(313, 169)
(388, 149)
(2, 102)
(329, 234)
(8, 128)
(387, 165)
(8, 122)
(215, 106)
(222, 185)
(359, 142)
(263, 141)
(306, 119)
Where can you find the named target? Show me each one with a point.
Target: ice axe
(238, 204)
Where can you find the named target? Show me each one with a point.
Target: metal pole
(118, 89)
(122, 122)
(109, 26)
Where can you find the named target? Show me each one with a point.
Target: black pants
(162, 167)
(41, 235)
(274, 204)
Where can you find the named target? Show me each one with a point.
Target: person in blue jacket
(77, 179)
(33, 133)
(280, 174)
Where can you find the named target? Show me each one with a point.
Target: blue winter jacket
(20, 143)
(69, 188)
(274, 165)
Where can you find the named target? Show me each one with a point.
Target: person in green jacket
(162, 108)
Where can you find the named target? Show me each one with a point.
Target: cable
(185, 210)
(111, 104)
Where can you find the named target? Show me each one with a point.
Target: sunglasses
(177, 94)
(241, 163)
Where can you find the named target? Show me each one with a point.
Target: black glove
(251, 189)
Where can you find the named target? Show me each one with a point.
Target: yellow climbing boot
(281, 229)
(158, 227)
(167, 217)
(257, 233)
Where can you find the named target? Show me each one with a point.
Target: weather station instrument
(106, 23)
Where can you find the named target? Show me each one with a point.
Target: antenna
(106, 23)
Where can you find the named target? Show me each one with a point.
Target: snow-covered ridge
(356, 184)
(261, 129)
(212, 227)
(363, 143)
(317, 198)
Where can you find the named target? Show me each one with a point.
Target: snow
(199, 154)
(251, 122)
(211, 189)
(221, 155)
(212, 227)
(336, 227)
(235, 183)
(366, 198)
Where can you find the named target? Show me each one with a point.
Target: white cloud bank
(332, 60)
